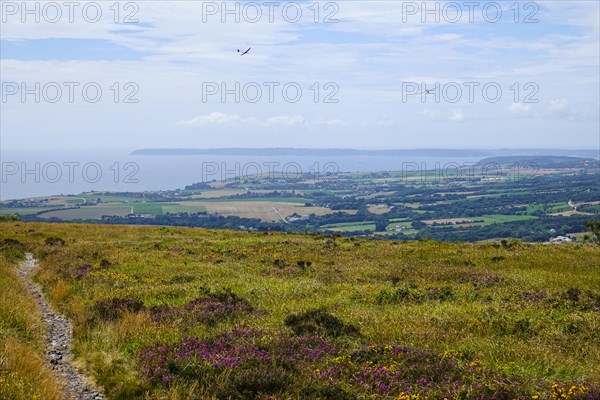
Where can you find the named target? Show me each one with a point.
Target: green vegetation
(594, 227)
(162, 312)
(147, 208)
(9, 218)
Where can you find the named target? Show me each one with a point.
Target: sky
(344, 74)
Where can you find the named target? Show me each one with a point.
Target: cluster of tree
(537, 230)
(273, 194)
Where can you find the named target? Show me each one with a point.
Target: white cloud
(329, 122)
(285, 120)
(431, 114)
(220, 119)
(520, 110)
(457, 115)
(214, 118)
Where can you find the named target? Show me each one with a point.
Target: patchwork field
(173, 313)
(263, 210)
(88, 212)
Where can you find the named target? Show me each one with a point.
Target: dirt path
(58, 341)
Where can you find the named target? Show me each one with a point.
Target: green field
(25, 210)
(148, 208)
(559, 207)
(351, 226)
(494, 219)
(532, 208)
(176, 208)
(173, 313)
(91, 212)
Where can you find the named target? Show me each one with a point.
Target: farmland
(167, 312)
(552, 202)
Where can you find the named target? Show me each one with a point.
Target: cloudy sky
(346, 74)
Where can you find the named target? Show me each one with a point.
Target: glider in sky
(246, 52)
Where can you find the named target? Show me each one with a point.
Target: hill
(542, 161)
(306, 152)
(162, 312)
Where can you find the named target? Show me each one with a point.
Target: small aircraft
(245, 52)
(428, 91)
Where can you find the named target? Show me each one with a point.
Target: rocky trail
(58, 341)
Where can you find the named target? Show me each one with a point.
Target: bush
(111, 309)
(54, 241)
(209, 309)
(9, 218)
(319, 322)
(406, 294)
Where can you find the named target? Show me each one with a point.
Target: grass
(22, 334)
(171, 312)
(148, 208)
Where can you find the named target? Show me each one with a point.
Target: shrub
(407, 294)
(54, 241)
(209, 309)
(319, 322)
(9, 218)
(216, 307)
(111, 309)
(81, 271)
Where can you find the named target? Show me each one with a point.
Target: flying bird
(245, 52)
(426, 92)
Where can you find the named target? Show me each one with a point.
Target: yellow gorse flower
(408, 396)
(559, 392)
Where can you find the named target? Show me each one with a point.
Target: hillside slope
(189, 313)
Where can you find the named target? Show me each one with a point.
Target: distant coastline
(305, 152)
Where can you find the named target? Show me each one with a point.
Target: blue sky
(364, 61)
